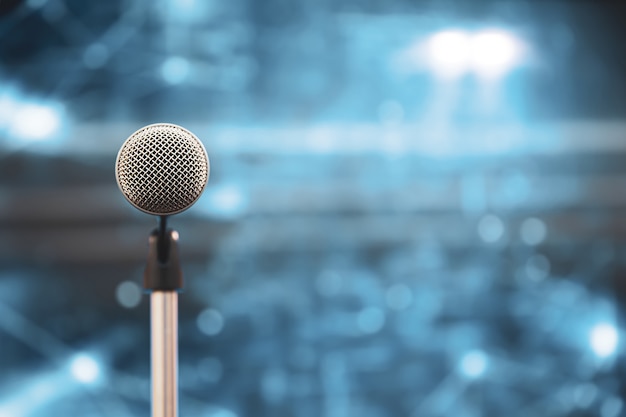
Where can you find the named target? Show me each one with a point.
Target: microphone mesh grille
(162, 169)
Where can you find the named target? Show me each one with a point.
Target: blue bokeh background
(415, 207)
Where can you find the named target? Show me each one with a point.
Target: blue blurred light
(449, 53)
(96, 55)
(34, 122)
(226, 201)
(274, 385)
(490, 53)
(220, 412)
(474, 364)
(585, 394)
(611, 407)
(175, 70)
(85, 368)
(187, 12)
(329, 283)
(183, 8)
(490, 228)
(36, 4)
(8, 106)
(29, 120)
(473, 193)
(533, 231)
(185, 4)
(604, 339)
(31, 395)
(494, 53)
(128, 294)
(391, 112)
(399, 297)
(210, 322)
(371, 319)
(537, 267)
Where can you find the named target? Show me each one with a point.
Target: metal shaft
(164, 317)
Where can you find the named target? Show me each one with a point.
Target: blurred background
(416, 208)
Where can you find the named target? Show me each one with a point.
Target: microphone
(162, 169)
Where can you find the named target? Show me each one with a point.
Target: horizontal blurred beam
(570, 137)
(492, 194)
(127, 243)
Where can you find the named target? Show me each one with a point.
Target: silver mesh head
(162, 169)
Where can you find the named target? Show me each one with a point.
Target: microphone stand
(163, 279)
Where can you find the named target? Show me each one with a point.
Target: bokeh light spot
(490, 228)
(128, 294)
(85, 368)
(175, 70)
(35, 122)
(493, 53)
(533, 231)
(474, 364)
(210, 322)
(226, 201)
(370, 320)
(449, 53)
(604, 339)
(95, 56)
(611, 407)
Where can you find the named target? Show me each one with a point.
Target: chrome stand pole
(164, 335)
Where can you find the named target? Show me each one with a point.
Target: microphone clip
(163, 271)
